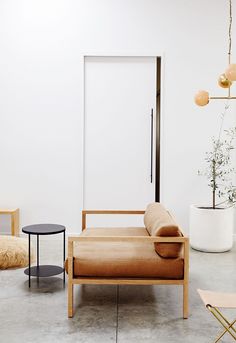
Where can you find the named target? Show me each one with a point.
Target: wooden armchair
(124, 239)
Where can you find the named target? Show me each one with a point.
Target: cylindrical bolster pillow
(159, 223)
(168, 250)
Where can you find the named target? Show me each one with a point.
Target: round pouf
(14, 252)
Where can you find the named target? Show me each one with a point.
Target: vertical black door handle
(151, 150)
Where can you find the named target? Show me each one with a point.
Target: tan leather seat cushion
(121, 259)
(159, 222)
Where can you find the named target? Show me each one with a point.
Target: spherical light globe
(224, 82)
(201, 98)
(230, 72)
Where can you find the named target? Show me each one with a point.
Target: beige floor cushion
(14, 252)
(121, 259)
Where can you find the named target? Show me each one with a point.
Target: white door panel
(119, 95)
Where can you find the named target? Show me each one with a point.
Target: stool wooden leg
(15, 223)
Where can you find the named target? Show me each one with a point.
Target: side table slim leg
(29, 260)
(64, 254)
(37, 259)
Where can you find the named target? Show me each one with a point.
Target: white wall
(41, 94)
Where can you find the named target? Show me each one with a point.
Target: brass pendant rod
(230, 30)
(223, 97)
(230, 38)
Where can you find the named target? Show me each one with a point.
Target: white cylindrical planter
(211, 230)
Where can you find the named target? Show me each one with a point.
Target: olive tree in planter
(211, 228)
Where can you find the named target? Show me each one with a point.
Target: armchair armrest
(151, 239)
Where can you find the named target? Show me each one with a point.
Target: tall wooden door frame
(159, 118)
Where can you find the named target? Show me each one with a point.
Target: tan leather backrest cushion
(159, 223)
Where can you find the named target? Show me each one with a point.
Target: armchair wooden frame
(125, 281)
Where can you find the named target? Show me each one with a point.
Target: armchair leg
(185, 300)
(70, 299)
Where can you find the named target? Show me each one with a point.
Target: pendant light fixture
(226, 79)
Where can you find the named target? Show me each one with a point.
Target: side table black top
(43, 229)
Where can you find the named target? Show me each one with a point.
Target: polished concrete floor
(108, 313)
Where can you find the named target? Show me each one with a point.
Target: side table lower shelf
(44, 271)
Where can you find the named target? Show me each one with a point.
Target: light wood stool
(14, 220)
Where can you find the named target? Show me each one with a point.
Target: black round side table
(44, 270)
